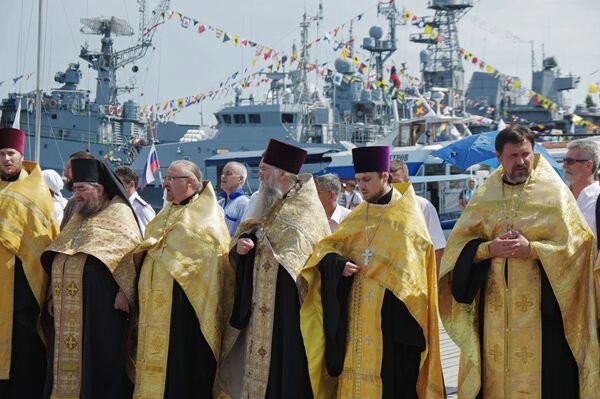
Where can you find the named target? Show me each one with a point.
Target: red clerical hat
(371, 159)
(12, 138)
(284, 156)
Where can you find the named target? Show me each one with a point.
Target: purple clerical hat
(371, 159)
(12, 138)
(284, 156)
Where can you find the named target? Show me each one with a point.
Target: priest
(27, 228)
(185, 290)
(93, 289)
(516, 291)
(285, 221)
(369, 321)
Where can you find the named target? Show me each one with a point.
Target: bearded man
(285, 221)
(93, 280)
(27, 228)
(516, 291)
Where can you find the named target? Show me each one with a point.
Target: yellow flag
(355, 60)
(427, 28)
(254, 61)
(345, 53)
(235, 39)
(180, 102)
(489, 69)
(516, 85)
(592, 88)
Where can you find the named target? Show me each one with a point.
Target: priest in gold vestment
(185, 290)
(369, 321)
(27, 227)
(285, 221)
(93, 289)
(516, 292)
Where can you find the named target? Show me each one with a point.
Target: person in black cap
(28, 226)
(93, 280)
(68, 173)
(268, 251)
(369, 320)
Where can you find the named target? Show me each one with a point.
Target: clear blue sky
(185, 63)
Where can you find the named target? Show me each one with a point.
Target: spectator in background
(350, 197)
(399, 174)
(55, 184)
(328, 188)
(143, 211)
(580, 165)
(465, 195)
(233, 200)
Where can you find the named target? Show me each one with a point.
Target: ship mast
(38, 88)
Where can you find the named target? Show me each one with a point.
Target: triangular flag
(15, 80)
(244, 42)
(201, 28)
(235, 39)
(226, 37)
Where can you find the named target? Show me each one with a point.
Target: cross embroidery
(495, 352)
(366, 255)
(524, 355)
(264, 309)
(70, 342)
(72, 289)
(524, 303)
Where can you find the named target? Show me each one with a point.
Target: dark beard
(92, 207)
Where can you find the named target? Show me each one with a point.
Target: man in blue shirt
(233, 201)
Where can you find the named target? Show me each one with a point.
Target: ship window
(226, 119)
(186, 157)
(254, 118)
(287, 118)
(239, 118)
(54, 116)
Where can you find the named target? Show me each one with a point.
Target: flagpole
(38, 89)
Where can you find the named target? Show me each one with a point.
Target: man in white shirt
(328, 188)
(232, 199)
(580, 166)
(143, 211)
(399, 174)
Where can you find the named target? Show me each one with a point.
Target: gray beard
(265, 200)
(92, 207)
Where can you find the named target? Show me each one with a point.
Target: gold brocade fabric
(67, 287)
(544, 210)
(285, 237)
(111, 236)
(188, 244)
(403, 262)
(27, 226)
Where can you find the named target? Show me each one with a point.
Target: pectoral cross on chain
(366, 255)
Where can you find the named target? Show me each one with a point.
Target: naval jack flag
(151, 167)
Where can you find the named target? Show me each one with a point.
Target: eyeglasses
(571, 161)
(168, 179)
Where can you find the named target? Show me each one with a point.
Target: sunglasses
(571, 161)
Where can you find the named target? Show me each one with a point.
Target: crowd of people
(311, 287)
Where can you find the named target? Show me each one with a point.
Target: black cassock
(105, 333)
(288, 372)
(403, 339)
(28, 357)
(191, 364)
(559, 369)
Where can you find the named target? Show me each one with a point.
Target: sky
(184, 63)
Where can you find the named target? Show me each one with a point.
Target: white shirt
(337, 216)
(433, 223)
(143, 211)
(587, 204)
